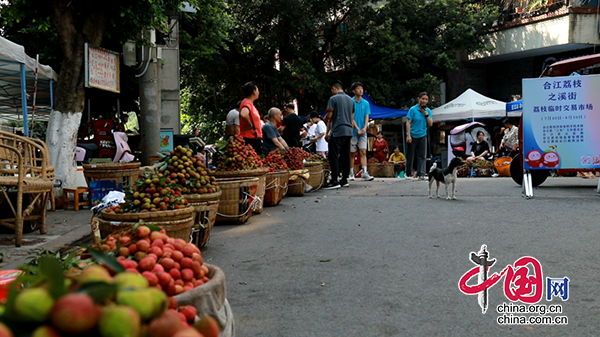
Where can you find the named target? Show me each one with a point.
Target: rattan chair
(24, 170)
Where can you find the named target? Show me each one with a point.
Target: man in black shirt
(294, 127)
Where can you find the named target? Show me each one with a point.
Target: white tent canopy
(469, 105)
(17, 78)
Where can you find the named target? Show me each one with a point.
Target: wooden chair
(24, 169)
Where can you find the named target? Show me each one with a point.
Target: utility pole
(150, 108)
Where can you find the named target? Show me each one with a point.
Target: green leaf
(154, 228)
(108, 259)
(52, 270)
(162, 181)
(99, 291)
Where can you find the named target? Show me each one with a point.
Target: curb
(79, 235)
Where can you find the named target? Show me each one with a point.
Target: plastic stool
(76, 192)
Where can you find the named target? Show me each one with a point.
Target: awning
(17, 78)
(514, 109)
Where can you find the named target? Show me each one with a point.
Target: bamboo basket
(237, 201)
(276, 184)
(205, 214)
(386, 170)
(196, 197)
(204, 221)
(180, 229)
(316, 174)
(373, 169)
(297, 183)
(121, 173)
(259, 173)
(170, 215)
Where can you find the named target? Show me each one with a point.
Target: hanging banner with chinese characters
(102, 69)
(561, 122)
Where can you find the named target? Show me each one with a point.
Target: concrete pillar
(170, 80)
(151, 109)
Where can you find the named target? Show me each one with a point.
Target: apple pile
(187, 172)
(94, 303)
(169, 264)
(235, 155)
(154, 192)
(294, 158)
(373, 160)
(274, 161)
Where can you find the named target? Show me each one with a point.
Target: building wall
(469, 75)
(505, 78)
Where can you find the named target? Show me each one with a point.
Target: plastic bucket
(502, 166)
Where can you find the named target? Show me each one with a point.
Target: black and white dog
(446, 176)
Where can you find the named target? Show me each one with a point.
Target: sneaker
(344, 183)
(423, 178)
(495, 175)
(331, 186)
(351, 176)
(367, 177)
(408, 178)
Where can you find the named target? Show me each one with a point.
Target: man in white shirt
(318, 137)
(233, 122)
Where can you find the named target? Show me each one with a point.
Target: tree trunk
(63, 125)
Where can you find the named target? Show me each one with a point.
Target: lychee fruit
(166, 325)
(43, 331)
(75, 314)
(130, 280)
(119, 321)
(33, 305)
(189, 312)
(95, 273)
(207, 326)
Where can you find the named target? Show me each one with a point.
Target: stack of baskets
(205, 215)
(276, 186)
(237, 201)
(121, 173)
(177, 223)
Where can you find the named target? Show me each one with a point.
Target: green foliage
(397, 50)
(39, 128)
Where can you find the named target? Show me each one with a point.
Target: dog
(446, 176)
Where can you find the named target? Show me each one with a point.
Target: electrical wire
(147, 63)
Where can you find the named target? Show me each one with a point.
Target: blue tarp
(379, 112)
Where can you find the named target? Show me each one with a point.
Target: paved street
(381, 259)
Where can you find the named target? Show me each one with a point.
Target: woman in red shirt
(381, 148)
(250, 120)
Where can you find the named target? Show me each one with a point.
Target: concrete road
(381, 259)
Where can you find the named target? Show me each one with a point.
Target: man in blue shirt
(362, 110)
(418, 120)
(271, 138)
(340, 116)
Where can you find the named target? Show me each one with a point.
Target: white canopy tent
(17, 81)
(469, 105)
